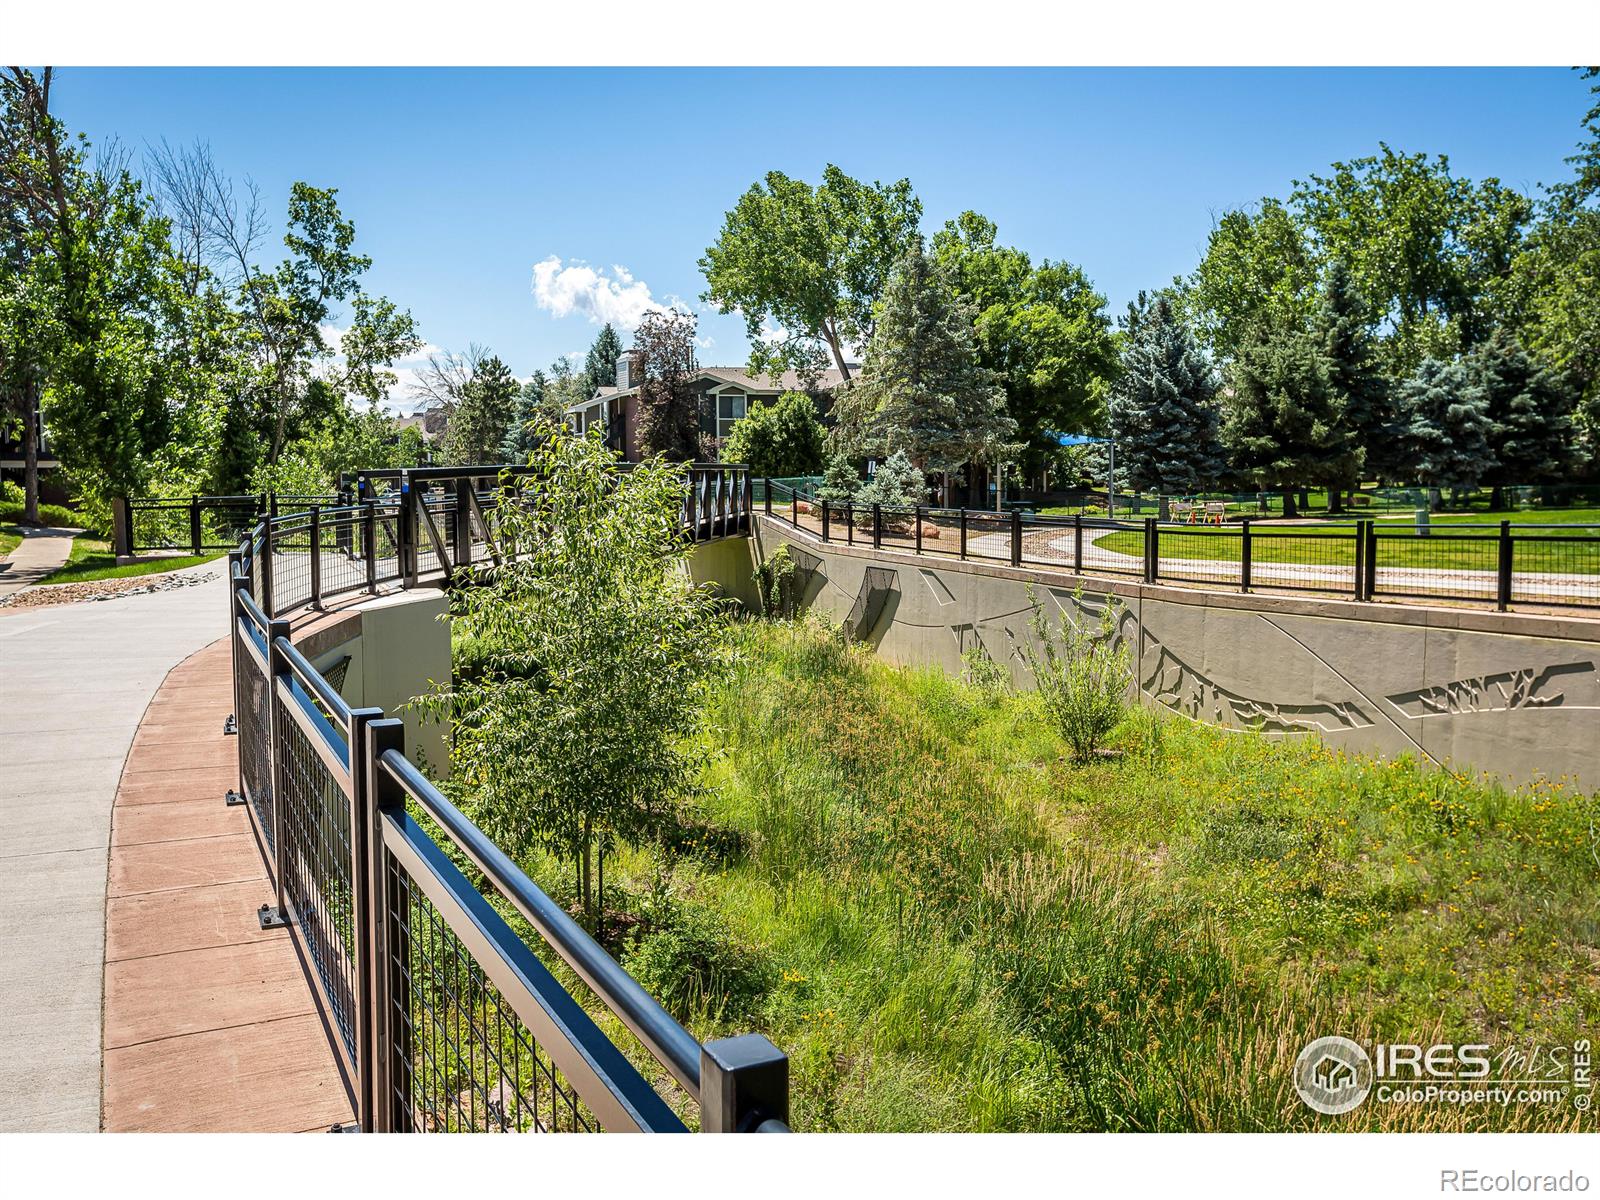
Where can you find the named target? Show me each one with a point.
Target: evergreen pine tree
(895, 484)
(601, 364)
(1444, 423)
(1162, 409)
(1284, 423)
(921, 388)
(1530, 413)
(483, 417)
(1354, 373)
(526, 415)
(840, 482)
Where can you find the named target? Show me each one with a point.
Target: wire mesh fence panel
(159, 524)
(1456, 566)
(341, 564)
(1302, 560)
(316, 857)
(464, 1061)
(989, 536)
(1188, 554)
(1109, 547)
(387, 564)
(1559, 566)
(291, 563)
(255, 739)
(897, 528)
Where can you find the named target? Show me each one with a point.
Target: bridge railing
(1502, 564)
(443, 1017)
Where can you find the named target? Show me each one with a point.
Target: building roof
(762, 385)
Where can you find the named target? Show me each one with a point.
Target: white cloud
(574, 287)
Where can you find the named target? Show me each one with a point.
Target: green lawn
(93, 559)
(1276, 542)
(10, 539)
(949, 926)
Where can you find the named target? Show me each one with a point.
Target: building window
(730, 408)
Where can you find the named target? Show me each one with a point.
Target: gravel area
(109, 589)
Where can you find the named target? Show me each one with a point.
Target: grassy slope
(964, 931)
(93, 559)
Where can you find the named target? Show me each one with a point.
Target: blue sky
(461, 181)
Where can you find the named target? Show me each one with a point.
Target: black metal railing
(443, 1017)
(1500, 564)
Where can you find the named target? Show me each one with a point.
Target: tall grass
(951, 925)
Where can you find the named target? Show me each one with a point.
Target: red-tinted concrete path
(210, 1022)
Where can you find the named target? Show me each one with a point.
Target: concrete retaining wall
(1512, 694)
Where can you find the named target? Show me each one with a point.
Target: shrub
(775, 582)
(984, 674)
(840, 483)
(1082, 675)
(779, 439)
(691, 962)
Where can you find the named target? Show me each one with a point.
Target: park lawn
(10, 539)
(93, 559)
(947, 925)
(1276, 542)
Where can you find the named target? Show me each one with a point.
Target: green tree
(895, 484)
(1284, 423)
(1355, 375)
(1529, 406)
(1162, 412)
(532, 409)
(596, 653)
(484, 416)
(1445, 426)
(601, 364)
(922, 389)
(86, 312)
(669, 407)
(780, 439)
(1043, 330)
(805, 265)
(1259, 269)
(840, 481)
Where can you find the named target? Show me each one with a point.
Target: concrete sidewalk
(41, 551)
(74, 683)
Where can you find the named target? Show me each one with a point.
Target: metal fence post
(877, 527)
(365, 878)
(122, 526)
(264, 565)
(369, 534)
(916, 516)
(1244, 554)
(1372, 560)
(386, 959)
(1361, 563)
(194, 524)
(825, 521)
(234, 560)
(316, 556)
(1077, 544)
(747, 492)
(850, 522)
(272, 916)
(1152, 551)
(463, 524)
(1503, 563)
(766, 492)
(963, 534)
(1016, 537)
(744, 1082)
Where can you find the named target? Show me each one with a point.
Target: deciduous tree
(804, 265)
(669, 408)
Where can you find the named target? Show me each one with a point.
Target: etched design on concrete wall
(1167, 679)
(941, 593)
(1505, 690)
(876, 585)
